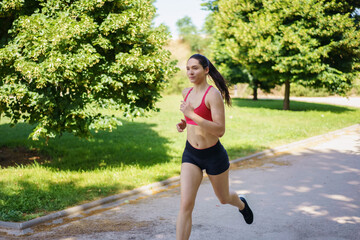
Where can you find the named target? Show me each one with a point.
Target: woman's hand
(186, 108)
(181, 125)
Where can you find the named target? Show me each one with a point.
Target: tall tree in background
(59, 60)
(313, 43)
(234, 71)
(190, 34)
(186, 27)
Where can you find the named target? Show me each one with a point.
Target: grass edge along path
(144, 151)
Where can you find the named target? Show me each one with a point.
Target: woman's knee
(187, 206)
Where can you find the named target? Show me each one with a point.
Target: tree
(234, 71)
(62, 60)
(313, 43)
(211, 5)
(190, 34)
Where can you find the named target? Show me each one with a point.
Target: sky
(169, 11)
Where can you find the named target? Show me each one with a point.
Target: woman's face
(195, 72)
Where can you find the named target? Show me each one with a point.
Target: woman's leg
(190, 180)
(220, 185)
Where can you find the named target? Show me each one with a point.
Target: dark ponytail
(215, 76)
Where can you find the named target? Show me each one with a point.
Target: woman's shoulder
(214, 98)
(185, 91)
(214, 93)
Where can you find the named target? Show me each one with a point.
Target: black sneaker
(246, 212)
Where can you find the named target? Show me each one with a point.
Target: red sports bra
(202, 110)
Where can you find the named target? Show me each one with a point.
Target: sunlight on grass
(143, 151)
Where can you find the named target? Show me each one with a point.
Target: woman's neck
(201, 86)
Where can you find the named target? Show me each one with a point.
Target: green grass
(144, 151)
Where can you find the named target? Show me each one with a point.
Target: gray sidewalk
(309, 192)
(343, 101)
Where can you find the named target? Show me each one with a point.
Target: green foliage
(62, 59)
(211, 5)
(233, 71)
(313, 43)
(190, 34)
(356, 89)
(178, 82)
(186, 26)
(301, 91)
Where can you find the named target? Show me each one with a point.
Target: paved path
(342, 101)
(311, 192)
(350, 101)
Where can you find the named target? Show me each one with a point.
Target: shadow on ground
(130, 144)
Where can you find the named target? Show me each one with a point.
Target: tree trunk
(255, 96)
(286, 105)
(4, 28)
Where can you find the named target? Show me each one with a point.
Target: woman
(204, 112)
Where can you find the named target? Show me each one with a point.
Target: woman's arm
(216, 104)
(182, 125)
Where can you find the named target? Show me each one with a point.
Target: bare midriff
(199, 138)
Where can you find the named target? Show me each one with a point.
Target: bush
(80, 55)
(297, 90)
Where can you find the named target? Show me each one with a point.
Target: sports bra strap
(207, 90)
(188, 94)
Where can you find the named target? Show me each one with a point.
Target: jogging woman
(204, 111)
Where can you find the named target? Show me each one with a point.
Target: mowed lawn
(144, 151)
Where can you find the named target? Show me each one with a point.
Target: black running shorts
(213, 159)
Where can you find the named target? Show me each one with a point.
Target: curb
(155, 187)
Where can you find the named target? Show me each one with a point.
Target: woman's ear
(207, 70)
